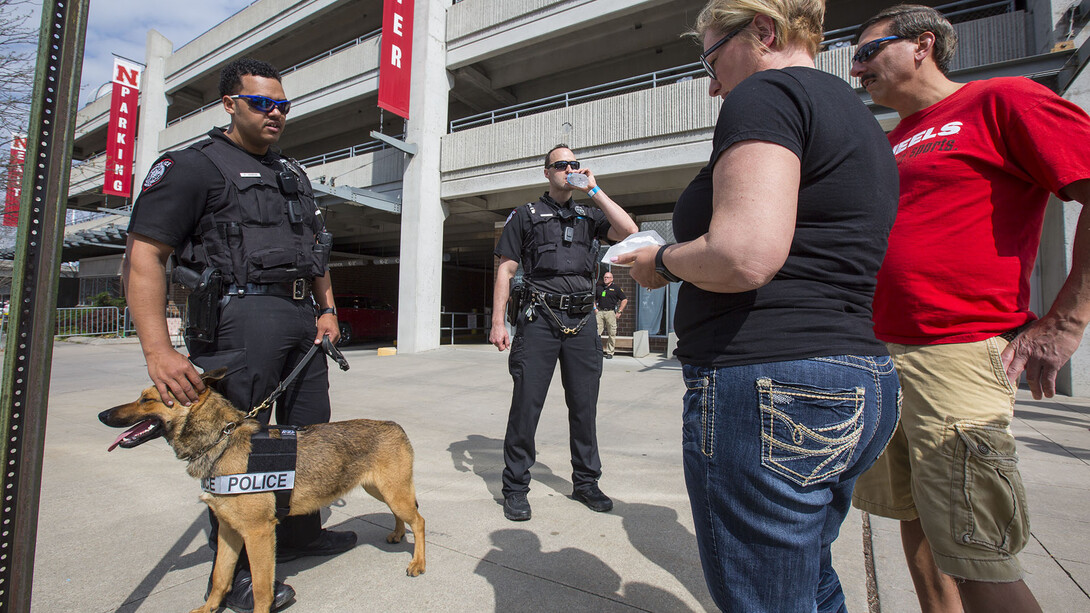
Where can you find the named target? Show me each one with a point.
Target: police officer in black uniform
(556, 240)
(242, 218)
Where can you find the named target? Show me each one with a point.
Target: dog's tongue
(134, 431)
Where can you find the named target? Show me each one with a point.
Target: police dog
(214, 438)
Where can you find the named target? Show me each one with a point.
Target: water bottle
(578, 179)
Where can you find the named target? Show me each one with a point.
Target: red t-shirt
(976, 170)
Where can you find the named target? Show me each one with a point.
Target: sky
(121, 27)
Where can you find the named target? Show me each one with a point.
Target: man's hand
(591, 183)
(642, 262)
(327, 326)
(174, 375)
(1041, 350)
(499, 337)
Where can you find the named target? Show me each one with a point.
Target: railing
(954, 11)
(347, 152)
(644, 81)
(474, 323)
(106, 321)
(286, 71)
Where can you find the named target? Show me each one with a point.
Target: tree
(18, 47)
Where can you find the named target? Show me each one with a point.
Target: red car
(362, 318)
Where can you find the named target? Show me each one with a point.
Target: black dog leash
(327, 346)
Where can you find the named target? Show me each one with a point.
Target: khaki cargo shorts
(952, 460)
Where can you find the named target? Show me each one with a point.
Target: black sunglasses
(562, 164)
(867, 51)
(722, 41)
(266, 105)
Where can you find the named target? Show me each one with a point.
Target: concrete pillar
(153, 106)
(641, 344)
(422, 213)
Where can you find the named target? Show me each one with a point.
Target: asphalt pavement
(125, 531)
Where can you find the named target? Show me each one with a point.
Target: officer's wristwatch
(327, 311)
(660, 267)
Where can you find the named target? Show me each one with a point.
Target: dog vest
(271, 468)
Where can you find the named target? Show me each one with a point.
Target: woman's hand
(642, 262)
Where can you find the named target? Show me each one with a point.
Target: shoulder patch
(510, 216)
(157, 172)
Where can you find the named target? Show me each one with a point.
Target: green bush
(106, 300)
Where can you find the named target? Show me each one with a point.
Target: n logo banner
(15, 179)
(395, 67)
(121, 137)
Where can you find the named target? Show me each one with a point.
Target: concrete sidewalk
(125, 531)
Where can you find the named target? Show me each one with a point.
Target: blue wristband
(594, 191)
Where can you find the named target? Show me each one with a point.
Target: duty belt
(297, 289)
(574, 304)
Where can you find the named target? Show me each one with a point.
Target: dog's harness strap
(271, 468)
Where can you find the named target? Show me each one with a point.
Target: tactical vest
(561, 241)
(257, 233)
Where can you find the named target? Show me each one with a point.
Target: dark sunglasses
(722, 41)
(266, 105)
(867, 51)
(562, 164)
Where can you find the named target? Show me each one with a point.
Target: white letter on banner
(122, 123)
(117, 185)
(124, 108)
(397, 24)
(395, 55)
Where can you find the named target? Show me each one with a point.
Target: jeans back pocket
(808, 434)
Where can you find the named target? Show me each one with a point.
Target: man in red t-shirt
(977, 162)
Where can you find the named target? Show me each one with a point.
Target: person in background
(609, 303)
(977, 163)
(789, 397)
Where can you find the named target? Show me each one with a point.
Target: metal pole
(29, 348)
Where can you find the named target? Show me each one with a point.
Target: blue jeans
(772, 452)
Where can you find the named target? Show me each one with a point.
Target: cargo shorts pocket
(808, 434)
(989, 505)
(698, 422)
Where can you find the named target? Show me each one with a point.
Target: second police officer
(242, 219)
(556, 241)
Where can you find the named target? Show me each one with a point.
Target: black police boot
(241, 597)
(328, 543)
(516, 507)
(593, 497)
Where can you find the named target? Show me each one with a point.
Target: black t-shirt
(607, 297)
(819, 303)
(178, 189)
(516, 238)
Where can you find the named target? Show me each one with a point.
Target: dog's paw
(415, 569)
(395, 536)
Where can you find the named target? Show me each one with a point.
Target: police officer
(556, 240)
(609, 303)
(235, 211)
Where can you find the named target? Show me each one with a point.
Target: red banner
(121, 137)
(15, 179)
(395, 68)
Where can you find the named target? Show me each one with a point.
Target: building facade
(495, 84)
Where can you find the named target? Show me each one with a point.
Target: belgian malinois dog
(214, 438)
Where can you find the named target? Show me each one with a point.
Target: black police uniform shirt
(517, 238)
(178, 189)
(608, 297)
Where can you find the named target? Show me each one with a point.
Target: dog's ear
(213, 375)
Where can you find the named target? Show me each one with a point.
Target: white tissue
(639, 240)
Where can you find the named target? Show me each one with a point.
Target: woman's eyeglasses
(265, 104)
(562, 164)
(867, 51)
(722, 41)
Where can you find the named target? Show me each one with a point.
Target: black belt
(298, 289)
(575, 304)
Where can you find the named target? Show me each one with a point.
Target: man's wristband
(661, 269)
(594, 191)
(327, 311)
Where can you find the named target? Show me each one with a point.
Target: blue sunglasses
(265, 104)
(867, 51)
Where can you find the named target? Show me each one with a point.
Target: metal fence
(469, 323)
(105, 321)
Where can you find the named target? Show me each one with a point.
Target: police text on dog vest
(248, 483)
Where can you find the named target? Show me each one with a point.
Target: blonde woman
(789, 396)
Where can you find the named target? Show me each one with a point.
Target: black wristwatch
(660, 267)
(327, 311)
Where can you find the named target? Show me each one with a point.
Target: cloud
(121, 27)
